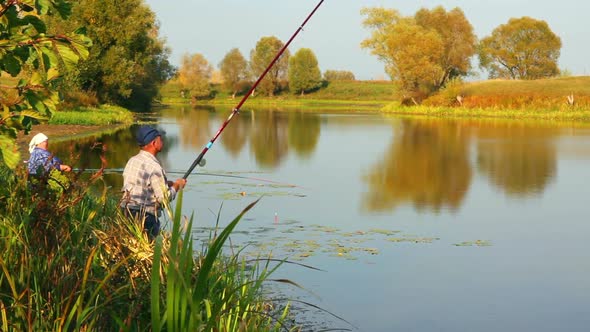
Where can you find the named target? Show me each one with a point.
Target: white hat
(37, 139)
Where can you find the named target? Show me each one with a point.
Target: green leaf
(50, 58)
(35, 22)
(11, 65)
(34, 114)
(67, 55)
(63, 8)
(52, 73)
(36, 79)
(9, 152)
(42, 6)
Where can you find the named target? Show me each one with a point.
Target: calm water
(420, 225)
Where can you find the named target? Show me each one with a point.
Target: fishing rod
(236, 110)
(120, 170)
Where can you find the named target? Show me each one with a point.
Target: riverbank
(78, 123)
(562, 98)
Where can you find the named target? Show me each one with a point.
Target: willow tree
(260, 57)
(421, 53)
(304, 71)
(234, 70)
(35, 60)
(523, 48)
(194, 74)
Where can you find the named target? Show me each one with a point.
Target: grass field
(368, 95)
(543, 94)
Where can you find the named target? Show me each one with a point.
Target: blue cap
(146, 134)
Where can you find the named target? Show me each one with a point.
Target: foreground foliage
(70, 261)
(38, 60)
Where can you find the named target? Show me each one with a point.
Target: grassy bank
(95, 116)
(70, 261)
(565, 98)
(365, 95)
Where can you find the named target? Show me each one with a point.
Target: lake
(418, 224)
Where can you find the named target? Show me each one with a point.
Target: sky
(334, 33)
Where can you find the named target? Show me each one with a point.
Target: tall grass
(102, 115)
(543, 94)
(70, 261)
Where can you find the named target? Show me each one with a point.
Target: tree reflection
(195, 127)
(235, 134)
(426, 165)
(268, 140)
(304, 133)
(517, 158)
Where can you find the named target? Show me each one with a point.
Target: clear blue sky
(213, 27)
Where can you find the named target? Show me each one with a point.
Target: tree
(304, 72)
(234, 70)
(260, 57)
(128, 61)
(35, 60)
(423, 52)
(339, 75)
(524, 48)
(458, 39)
(194, 74)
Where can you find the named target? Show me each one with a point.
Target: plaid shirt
(42, 160)
(145, 185)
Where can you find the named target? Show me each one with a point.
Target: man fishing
(145, 187)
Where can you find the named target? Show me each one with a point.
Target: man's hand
(179, 184)
(65, 168)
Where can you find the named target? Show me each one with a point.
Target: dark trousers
(151, 224)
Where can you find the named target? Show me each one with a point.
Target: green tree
(260, 57)
(339, 75)
(304, 72)
(423, 52)
(523, 48)
(194, 74)
(128, 61)
(36, 60)
(234, 70)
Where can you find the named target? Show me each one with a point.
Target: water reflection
(195, 127)
(269, 141)
(427, 165)
(519, 159)
(304, 133)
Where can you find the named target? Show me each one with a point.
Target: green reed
(211, 292)
(69, 260)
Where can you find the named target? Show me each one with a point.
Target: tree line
(298, 73)
(423, 52)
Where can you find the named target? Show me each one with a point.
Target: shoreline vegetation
(559, 99)
(71, 261)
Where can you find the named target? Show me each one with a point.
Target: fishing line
(236, 110)
(120, 170)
